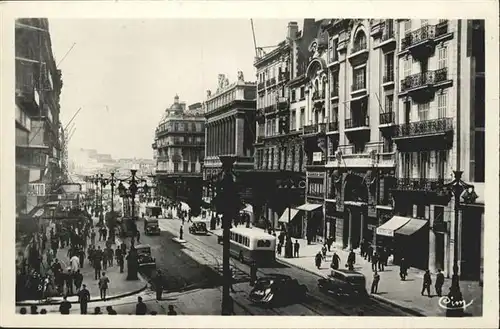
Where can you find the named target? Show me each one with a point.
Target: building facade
(392, 109)
(38, 129)
(230, 130)
(279, 155)
(179, 153)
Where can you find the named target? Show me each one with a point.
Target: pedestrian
(92, 237)
(318, 259)
(74, 263)
(110, 310)
(65, 306)
(253, 273)
(231, 280)
(83, 299)
(376, 279)
(329, 242)
(110, 255)
(351, 260)
(323, 251)
(369, 253)
(97, 266)
(81, 256)
(335, 261)
(105, 260)
(426, 284)
(140, 307)
(68, 278)
(278, 250)
(138, 234)
(97, 311)
(78, 279)
(104, 233)
(119, 260)
(181, 231)
(103, 285)
(374, 260)
(362, 248)
(158, 284)
(403, 269)
(386, 256)
(171, 310)
(296, 247)
(439, 283)
(381, 260)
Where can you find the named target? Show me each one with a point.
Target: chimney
(293, 29)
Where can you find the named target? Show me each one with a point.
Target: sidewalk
(405, 294)
(118, 286)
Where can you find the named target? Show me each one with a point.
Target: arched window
(359, 42)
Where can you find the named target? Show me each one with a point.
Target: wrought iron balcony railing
(387, 118)
(269, 109)
(425, 33)
(358, 47)
(357, 122)
(322, 127)
(422, 79)
(260, 86)
(333, 126)
(284, 76)
(317, 194)
(310, 129)
(389, 77)
(387, 34)
(425, 127)
(282, 103)
(260, 139)
(273, 81)
(268, 83)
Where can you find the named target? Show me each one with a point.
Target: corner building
(179, 148)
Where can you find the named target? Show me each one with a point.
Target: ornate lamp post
(103, 184)
(96, 183)
(227, 203)
(457, 188)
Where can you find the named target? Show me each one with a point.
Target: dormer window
(359, 42)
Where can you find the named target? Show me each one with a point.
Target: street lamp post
(227, 203)
(96, 182)
(457, 188)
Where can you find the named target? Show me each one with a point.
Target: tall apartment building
(38, 130)
(230, 130)
(279, 156)
(393, 107)
(179, 148)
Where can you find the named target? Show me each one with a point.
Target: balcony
(358, 125)
(421, 42)
(322, 128)
(260, 139)
(423, 84)
(358, 87)
(333, 126)
(270, 109)
(284, 76)
(259, 115)
(260, 86)
(282, 103)
(310, 129)
(421, 185)
(315, 194)
(271, 82)
(388, 40)
(387, 119)
(359, 53)
(268, 83)
(425, 135)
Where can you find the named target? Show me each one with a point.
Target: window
(176, 167)
(293, 120)
(185, 167)
(335, 84)
(406, 159)
(441, 159)
(359, 42)
(193, 167)
(335, 113)
(293, 95)
(176, 126)
(442, 57)
(302, 93)
(389, 67)
(407, 67)
(423, 164)
(407, 26)
(332, 50)
(359, 76)
(302, 118)
(423, 111)
(442, 104)
(389, 102)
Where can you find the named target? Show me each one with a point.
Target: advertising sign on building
(317, 156)
(36, 189)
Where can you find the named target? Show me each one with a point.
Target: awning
(288, 212)
(248, 209)
(388, 228)
(309, 206)
(412, 226)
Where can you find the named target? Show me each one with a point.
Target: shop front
(312, 223)
(291, 221)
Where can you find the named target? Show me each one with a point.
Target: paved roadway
(198, 264)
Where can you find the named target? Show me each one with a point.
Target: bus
(248, 245)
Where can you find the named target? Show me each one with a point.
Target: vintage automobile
(144, 255)
(344, 283)
(198, 228)
(151, 226)
(277, 289)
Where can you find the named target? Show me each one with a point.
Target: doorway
(439, 252)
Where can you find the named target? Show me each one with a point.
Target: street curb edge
(379, 298)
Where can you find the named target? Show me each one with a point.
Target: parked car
(344, 283)
(274, 290)
(198, 228)
(144, 255)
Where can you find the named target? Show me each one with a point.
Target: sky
(123, 74)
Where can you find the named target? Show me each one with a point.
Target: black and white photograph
(248, 165)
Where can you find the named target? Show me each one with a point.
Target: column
(224, 136)
(219, 137)
(208, 138)
(239, 136)
(432, 241)
(233, 136)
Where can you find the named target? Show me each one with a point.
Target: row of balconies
(424, 79)
(424, 34)
(282, 77)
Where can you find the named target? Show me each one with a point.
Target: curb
(384, 300)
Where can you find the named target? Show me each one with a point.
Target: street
(196, 264)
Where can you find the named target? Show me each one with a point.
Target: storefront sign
(36, 189)
(385, 232)
(317, 156)
(371, 227)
